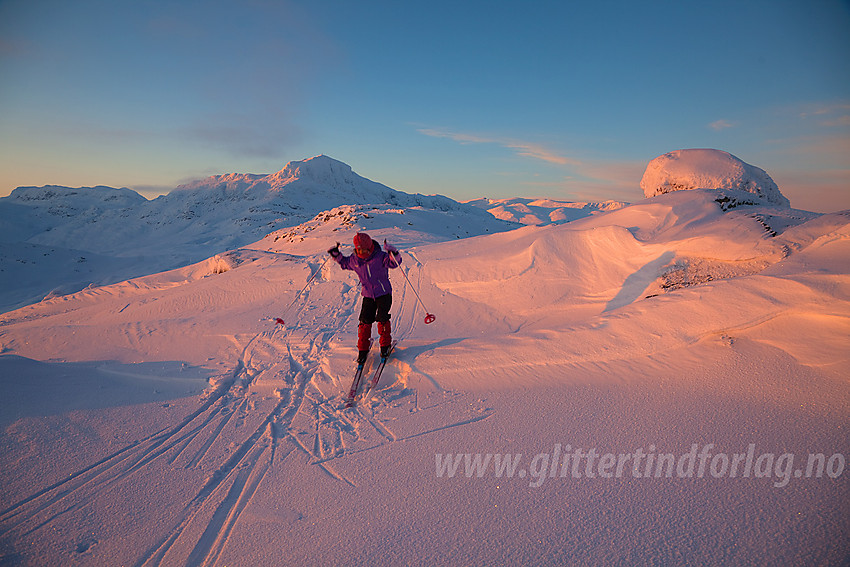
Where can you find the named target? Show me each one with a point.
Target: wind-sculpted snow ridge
(621, 262)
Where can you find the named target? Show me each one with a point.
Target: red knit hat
(363, 241)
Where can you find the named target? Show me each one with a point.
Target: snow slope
(52, 238)
(678, 325)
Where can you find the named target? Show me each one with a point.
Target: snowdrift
(616, 271)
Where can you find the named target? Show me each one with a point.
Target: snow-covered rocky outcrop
(683, 170)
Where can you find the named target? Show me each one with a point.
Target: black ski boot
(361, 356)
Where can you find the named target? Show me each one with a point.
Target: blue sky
(567, 100)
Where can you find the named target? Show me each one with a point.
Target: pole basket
(429, 318)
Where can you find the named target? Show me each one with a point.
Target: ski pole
(279, 320)
(429, 318)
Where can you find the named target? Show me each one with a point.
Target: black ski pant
(376, 309)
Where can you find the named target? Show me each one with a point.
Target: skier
(372, 265)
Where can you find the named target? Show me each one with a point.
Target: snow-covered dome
(708, 169)
(319, 169)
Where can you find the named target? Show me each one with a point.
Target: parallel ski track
(226, 493)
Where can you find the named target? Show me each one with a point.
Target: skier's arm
(393, 259)
(339, 257)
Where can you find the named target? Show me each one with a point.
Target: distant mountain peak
(322, 171)
(319, 169)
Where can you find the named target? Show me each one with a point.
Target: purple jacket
(373, 271)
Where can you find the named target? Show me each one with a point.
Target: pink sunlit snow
(187, 417)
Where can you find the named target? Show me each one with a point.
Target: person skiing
(372, 266)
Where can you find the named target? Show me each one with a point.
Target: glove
(393, 252)
(335, 251)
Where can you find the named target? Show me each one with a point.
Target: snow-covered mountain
(52, 239)
(221, 211)
(663, 383)
(542, 211)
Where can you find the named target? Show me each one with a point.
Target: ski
(376, 375)
(358, 375)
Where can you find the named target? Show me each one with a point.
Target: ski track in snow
(302, 420)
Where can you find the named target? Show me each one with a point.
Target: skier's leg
(364, 329)
(368, 310)
(382, 316)
(364, 334)
(386, 337)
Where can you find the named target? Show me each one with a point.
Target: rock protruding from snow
(682, 170)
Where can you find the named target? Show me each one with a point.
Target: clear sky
(560, 99)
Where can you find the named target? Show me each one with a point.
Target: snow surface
(682, 170)
(166, 420)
